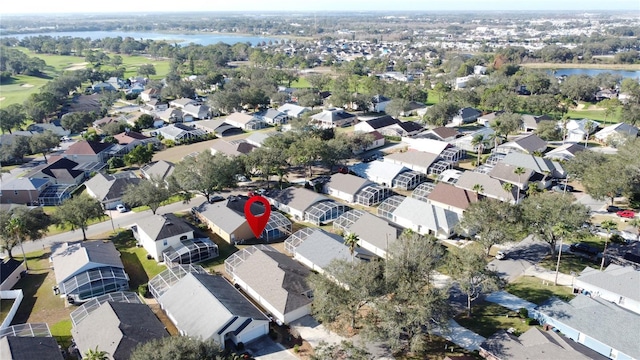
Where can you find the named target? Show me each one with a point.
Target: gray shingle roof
(220, 214)
(414, 158)
(617, 279)
(185, 299)
(490, 187)
(29, 348)
(69, 259)
(529, 143)
(537, 344)
(374, 230)
(118, 328)
(321, 247)
(347, 183)
(426, 215)
(161, 169)
(599, 319)
(505, 172)
(160, 227)
(296, 198)
(535, 163)
(278, 279)
(107, 187)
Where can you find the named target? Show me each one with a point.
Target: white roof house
(564, 152)
(576, 130)
(426, 145)
(616, 283)
(334, 117)
(245, 121)
(616, 134)
(345, 186)
(316, 248)
(415, 160)
(381, 172)
(465, 142)
(376, 234)
(293, 110)
(419, 216)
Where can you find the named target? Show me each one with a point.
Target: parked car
(216, 198)
(629, 214)
(121, 208)
(613, 209)
(584, 248)
(501, 255)
(562, 188)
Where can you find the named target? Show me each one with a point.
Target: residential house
(530, 122)
(441, 133)
(158, 170)
(181, 133)
(182, 103)
(377, 140)
(11, 270)
(30, 347)
(506, 173)
(465, 116)
(466, 142)
(183, 293)
(488, 186)
(616, 134)
(546, 167)
(273, 117)
(527, 144)
(375, 234)
(88, 269)
(293, 110)
(273, 280)
(379, 124)
(258, 138)
(294, 201)
(108, 189)
(22, 191)
(579, 130)
(88, 152)
(379, 103)
(218, 127)
(487, 119)
(451, 198)
(98, 124)
(564, 152)
(117, 328)
(197, 111)
(245, 121)
(334, 117)
(316, 248)
(233, 148)
(381, 172)
(158, 233)
(345, 186)
(101, 87)
(535, 344)
(154, 106)
(173, 115)
(60, 171)
(419, 161)
(149, 94)
(614, 284)
(116, 82)
(419, 216)
(596, 323)
(227, 219)
(130, 139)
(53, 126)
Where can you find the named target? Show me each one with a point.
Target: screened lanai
(190, 251)
(372, 195)
(55, 194)
(388, 206)
(90, 306)
(408, 180)
(163, 281)
(438, 167)
(423, 190)
(347, 219)
(452, 154)
(324, 212)
(278, 227)
(297, 238)
(28, 329)
(95, 282)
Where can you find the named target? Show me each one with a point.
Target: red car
(629, 214)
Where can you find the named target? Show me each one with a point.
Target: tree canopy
(177, 348)
(78, 211)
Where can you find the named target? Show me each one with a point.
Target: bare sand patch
(77, 66)
(26, 85)
(2, 98)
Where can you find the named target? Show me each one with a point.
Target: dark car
(584, 248)
(215, 199)
(562, 188)
(613, 209)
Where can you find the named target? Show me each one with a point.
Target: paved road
(519, 258)
(123, 220)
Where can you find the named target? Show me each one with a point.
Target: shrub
(617, 239)
(531, 321)
(168, 143)
(143, 290)
(523, 312)
(296, 348)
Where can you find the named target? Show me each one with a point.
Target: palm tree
(561, 230)
(17, 228)
(478, 143)
(507, 187)
(588, 127)
(95, 354)
(351, 240)
(477, 188)
(519, 171)
(607, 225)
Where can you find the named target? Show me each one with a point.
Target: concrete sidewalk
(549, 275)
(510, 301)
(461, 336)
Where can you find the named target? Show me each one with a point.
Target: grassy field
(488, 318)
(19, 88)
(532, 289)
(301, 83)
(138, 267)
(591, 112)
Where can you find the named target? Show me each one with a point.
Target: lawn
(301, 83)
(488, 318)
(593, 114)
(534, 290)
(138, 267)
(171, 200)
(19, 88)
(568, 263)
(62, 332)
(58, 63)
(5, 306)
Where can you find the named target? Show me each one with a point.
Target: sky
(96, 6)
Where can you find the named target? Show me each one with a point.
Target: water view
(593, 72)
(182, 39)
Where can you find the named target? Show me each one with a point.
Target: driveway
(595, 206)
(267, 349)
(462, 336)
(520, 257)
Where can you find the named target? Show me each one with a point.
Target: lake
(593, 72)
(182, 39)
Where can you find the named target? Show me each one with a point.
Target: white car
(500, 255)
(121, 208)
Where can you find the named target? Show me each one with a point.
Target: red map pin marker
(257, 223)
